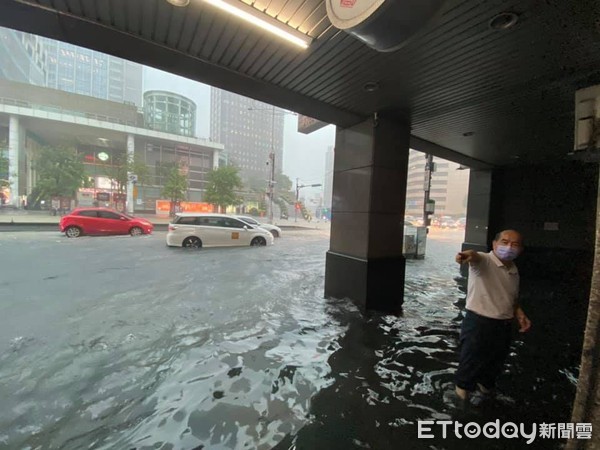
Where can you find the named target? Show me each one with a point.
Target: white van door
(233, 232)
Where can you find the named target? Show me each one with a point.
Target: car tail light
(172, 227)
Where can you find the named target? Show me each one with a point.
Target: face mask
(506, 252)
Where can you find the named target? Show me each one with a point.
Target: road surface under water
(121, 342)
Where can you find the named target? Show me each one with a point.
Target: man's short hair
(497, 237)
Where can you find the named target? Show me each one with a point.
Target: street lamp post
(298, 187)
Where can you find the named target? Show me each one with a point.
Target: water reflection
(392, 372)
(204, 361)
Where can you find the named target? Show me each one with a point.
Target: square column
(365, 262)
(477, 231)
(14, 146)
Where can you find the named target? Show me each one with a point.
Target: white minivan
(197, 230)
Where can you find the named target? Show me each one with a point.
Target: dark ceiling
(497, 97)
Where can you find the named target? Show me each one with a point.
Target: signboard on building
(307, 124)
(164, 206)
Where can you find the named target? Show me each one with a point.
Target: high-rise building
(87, 72)
(449, 186)
(249, 130)
(22, 57)
(27, 58)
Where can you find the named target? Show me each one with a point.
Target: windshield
(249, 220)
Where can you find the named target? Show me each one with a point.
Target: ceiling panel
(513, 89)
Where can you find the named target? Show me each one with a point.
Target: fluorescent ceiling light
(261, 20)
(180, 3)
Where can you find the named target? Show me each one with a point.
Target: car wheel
(192, 242)
(136, 231)
(258, 242)
(275, 233)
(73, 232)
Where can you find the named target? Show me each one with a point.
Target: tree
(222, 185)
(175, 188)
(283, 183)
(4, 163)
(121, 166)
(4, 182)
(60, 173)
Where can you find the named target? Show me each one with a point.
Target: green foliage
(222, 185)
(121, 166)
(4, 176)
(60, 172)
(176, 185)
(283, 183)
(4, 182)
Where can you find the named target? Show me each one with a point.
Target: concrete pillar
(14, 145)
(130, 155)
(365, 262)
(478, 213)
(215, 159)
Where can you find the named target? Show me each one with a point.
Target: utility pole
(298, 187)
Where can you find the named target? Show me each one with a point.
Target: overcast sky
(303, 154)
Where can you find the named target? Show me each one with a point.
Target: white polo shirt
(493, 288)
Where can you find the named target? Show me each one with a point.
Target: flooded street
(122, 343)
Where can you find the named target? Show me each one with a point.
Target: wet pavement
(121, 342)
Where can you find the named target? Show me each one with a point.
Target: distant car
(461, 223)
(102, 221)
(447, 222)
(197, 230)
(273, 229)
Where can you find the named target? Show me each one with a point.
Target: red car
(99, 221)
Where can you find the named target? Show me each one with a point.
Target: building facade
(103, 133)
(169, 112)
(449, 187)
(27, 58)
(249, 131)
(23, 57)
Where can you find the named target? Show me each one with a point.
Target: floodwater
(122, 343)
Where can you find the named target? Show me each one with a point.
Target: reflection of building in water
(449, 186)
(103, 132)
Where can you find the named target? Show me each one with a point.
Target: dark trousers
(484, 346)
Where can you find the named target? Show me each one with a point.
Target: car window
(187, 220)
(231, 223)
(208, 221)
(88, 213)
(108, 215)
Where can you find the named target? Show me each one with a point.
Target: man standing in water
(492, 306)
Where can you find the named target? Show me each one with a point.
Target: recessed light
(503, 21)
(371, 86)
(180, 3)
(468, 133)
